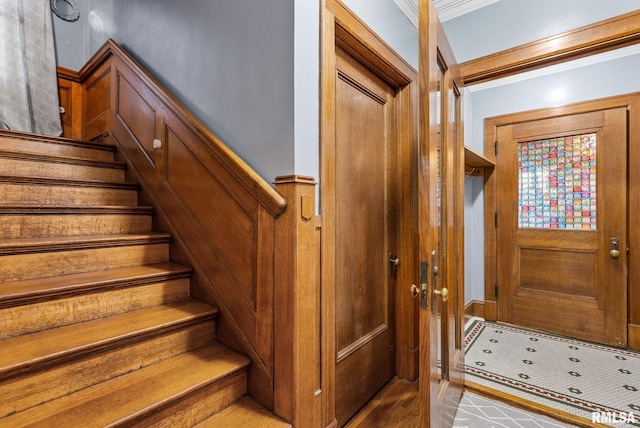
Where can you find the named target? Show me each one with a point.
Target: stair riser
(36, 265)
(27, 390)
(34, 168)
(42, 226)
(53, 149)
(197, 406)
(56, 195)
(34, 317)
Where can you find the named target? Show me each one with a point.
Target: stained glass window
(557, 183)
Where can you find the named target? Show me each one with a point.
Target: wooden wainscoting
(225, 222)
(474, 308)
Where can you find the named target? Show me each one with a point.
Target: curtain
(28, 79)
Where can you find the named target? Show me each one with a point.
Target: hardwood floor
(396, 405)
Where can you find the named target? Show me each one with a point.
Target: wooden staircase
(97, 327)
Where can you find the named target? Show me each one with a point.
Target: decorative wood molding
(634, 337)
(68, 74)
(474, 308)
(614, 33)
(297, 305)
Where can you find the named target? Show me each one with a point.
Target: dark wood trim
(634, 336)
(603, 36)
(474, 308)
(633, 204)
(428, 68)
(297, 305)
(68, 74)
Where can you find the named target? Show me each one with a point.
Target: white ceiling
(447, 9)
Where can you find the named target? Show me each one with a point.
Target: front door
(441, 226)
(561, 224)
(365, 233)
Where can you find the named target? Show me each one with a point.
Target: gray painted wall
(307, 89)
(70, 39)
(387, 20)
(230, 62)
(509, 23)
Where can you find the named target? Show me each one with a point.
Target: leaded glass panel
(557, 183)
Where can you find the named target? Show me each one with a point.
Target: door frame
(341, 27)
(632, 103)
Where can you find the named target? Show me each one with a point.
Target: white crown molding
(410, 9)
(447, 9)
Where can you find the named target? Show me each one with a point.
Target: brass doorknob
(444, 293)
(615, 254)
(414, 291)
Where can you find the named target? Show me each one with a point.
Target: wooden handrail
(263, 191)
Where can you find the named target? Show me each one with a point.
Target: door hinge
(495, 147)
(496, 291)
(495, 219)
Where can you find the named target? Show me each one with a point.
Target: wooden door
(365, 234)
(440, 226)
(561, 225)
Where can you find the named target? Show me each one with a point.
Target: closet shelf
(475, 163)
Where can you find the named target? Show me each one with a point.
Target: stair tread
(136, 393)
(63, 342)
(67, 182)
(74, 209)
(30, 289)
(63, 159)
(17, 135)
(244, 413)
(72, 242)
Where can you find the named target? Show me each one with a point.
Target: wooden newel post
(297, 304)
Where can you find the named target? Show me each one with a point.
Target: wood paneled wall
(224, 220)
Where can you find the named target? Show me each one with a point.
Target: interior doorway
(557, 207)
(368, 144)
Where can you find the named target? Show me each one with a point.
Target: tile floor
(476, 411)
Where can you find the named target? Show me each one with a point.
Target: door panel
(441, 226)
(561, 198)
(365, 234)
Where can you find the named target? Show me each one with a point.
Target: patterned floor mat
(589, 380)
